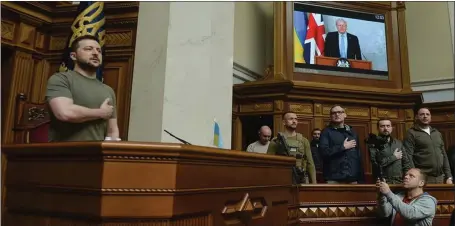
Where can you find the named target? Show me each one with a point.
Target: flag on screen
(89, 21)
(217, 141)
(315, 36)
(300, 31)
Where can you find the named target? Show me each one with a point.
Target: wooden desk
(128, 183)
(332, 61)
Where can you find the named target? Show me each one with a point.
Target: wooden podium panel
(130, 183)
(332, 61)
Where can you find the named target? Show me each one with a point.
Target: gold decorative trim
(350, 111)
(374, 112)
(124, 38)
(359, 112)
(301, 108)
(139, 190)
(8, 30)
(409, 114)
(279, 105)
(318, 109)
(388, 113)
(124, 157)
(58, 42)
(366, 210)
(256, 107)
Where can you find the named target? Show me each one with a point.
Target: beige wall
(249, 36)
(429, 41)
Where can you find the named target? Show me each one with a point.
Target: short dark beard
(87, 66)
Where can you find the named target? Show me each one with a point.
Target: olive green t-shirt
(86, 92)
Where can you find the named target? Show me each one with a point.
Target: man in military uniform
(386, 152)
(299, 145)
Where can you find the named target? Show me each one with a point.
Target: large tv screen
(339, 42)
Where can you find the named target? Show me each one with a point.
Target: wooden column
(20, 83)
(39, 81)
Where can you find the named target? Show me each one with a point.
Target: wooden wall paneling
(277, 124)
(305, 126)
(20, 83)
(39, 81)
(318, 120)
(117, 77)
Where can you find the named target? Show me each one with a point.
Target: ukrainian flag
(89, 21)
(300, 30)
(217, 141)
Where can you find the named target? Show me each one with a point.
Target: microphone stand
(179, 139)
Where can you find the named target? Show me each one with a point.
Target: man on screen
(341, 44)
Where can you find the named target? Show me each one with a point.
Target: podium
(145, 184)
(332, 61)
(133, 183)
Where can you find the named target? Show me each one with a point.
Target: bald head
(265, 133)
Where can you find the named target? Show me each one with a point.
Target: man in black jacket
(339, 146)
(315, 149)
(341, 44)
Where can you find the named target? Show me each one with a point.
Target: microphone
(179, 139)
(364, 56)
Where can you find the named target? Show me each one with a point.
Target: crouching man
(412, 207)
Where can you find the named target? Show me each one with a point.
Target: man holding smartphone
(387, 154)
(411, 207)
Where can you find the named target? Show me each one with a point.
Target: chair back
(31, 122)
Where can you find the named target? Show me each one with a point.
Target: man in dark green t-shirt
(82, 108)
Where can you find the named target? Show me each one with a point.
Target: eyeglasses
(336, 112)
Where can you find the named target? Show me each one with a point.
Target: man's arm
(64, 110)
(328, 45)
(387, 160)
(384, 207)
(311, 168)
(422, 208)
(408, 148)
(273, 147)
(60, 99)
(358, 53)
(112, 130)
(324, 146)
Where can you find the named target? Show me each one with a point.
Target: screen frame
(333, 70)
(397, 58)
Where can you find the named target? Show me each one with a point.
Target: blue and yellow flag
(89, 21)
(300, 30)
(217, 141)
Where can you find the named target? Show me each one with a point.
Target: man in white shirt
(261, 146)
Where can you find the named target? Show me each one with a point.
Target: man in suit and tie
(341, 44)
